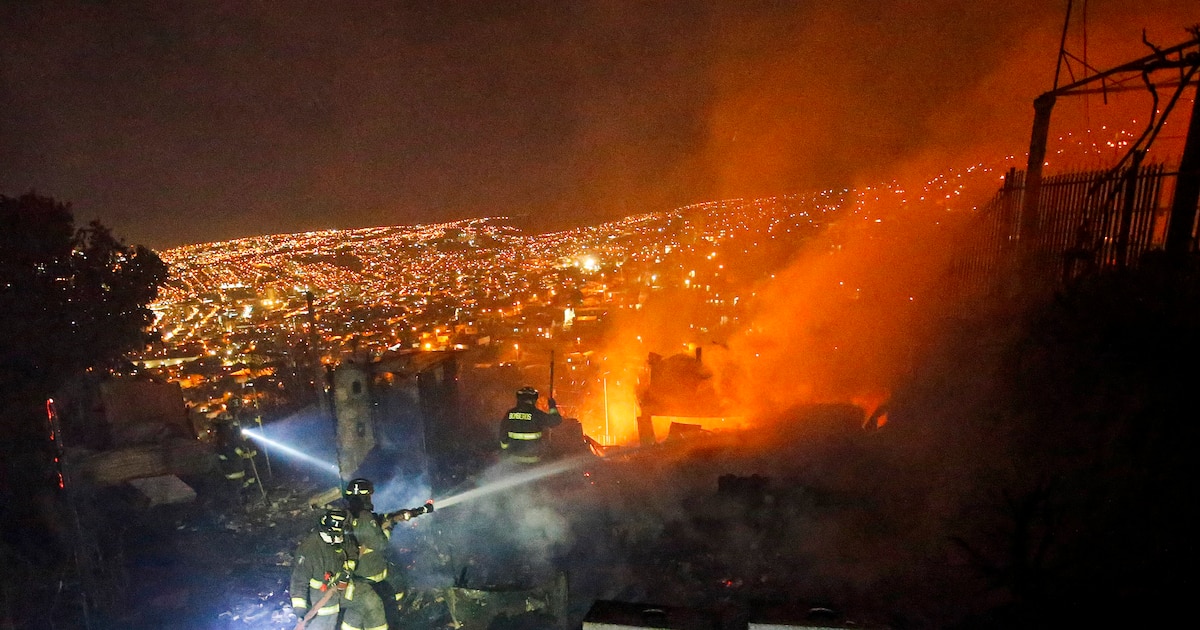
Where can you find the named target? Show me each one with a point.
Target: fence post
(1187, 191)
(1131, 182)
(1043, 106)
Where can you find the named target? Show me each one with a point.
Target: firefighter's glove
(429, 506)
(553, 404)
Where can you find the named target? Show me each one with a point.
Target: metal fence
(1087, 221)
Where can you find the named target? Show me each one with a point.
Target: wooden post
(1030, 218)
(1187, 191)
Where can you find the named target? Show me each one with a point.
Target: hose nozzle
(411, 513)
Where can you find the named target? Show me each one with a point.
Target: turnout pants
(362, 609)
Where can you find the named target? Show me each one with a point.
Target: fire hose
(333, 584)
(337, 582)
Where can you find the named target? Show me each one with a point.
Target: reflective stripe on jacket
(522, 432)
(315, 562)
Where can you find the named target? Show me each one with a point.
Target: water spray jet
(518, 479)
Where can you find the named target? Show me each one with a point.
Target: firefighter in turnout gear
(523, 430)
(371, 533)
(234, 454)
(321, 573)
(324, 584)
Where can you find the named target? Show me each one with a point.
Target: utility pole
(1030, 210)
(1187, 190)
(607, 439)
(314, 348)
(550, 394)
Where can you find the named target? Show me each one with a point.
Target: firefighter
(234, 453)
(372, 532)
(364, 608)
(523, 429)
(321, 572)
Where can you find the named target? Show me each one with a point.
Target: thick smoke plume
(258, 118)
(853, 96)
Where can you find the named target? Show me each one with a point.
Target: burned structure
(679, 399)
(116, 440)
(395, 414)
(121, 430)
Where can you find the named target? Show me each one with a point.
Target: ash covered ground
(719, 523)
(723, 523)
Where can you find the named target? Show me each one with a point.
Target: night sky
(185, 122)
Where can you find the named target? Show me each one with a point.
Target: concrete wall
(352, 404)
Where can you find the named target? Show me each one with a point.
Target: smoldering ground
(987, 499)
(813, 511)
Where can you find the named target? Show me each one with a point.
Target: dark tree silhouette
(70, 299)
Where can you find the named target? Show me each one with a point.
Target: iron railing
(1087, 221)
